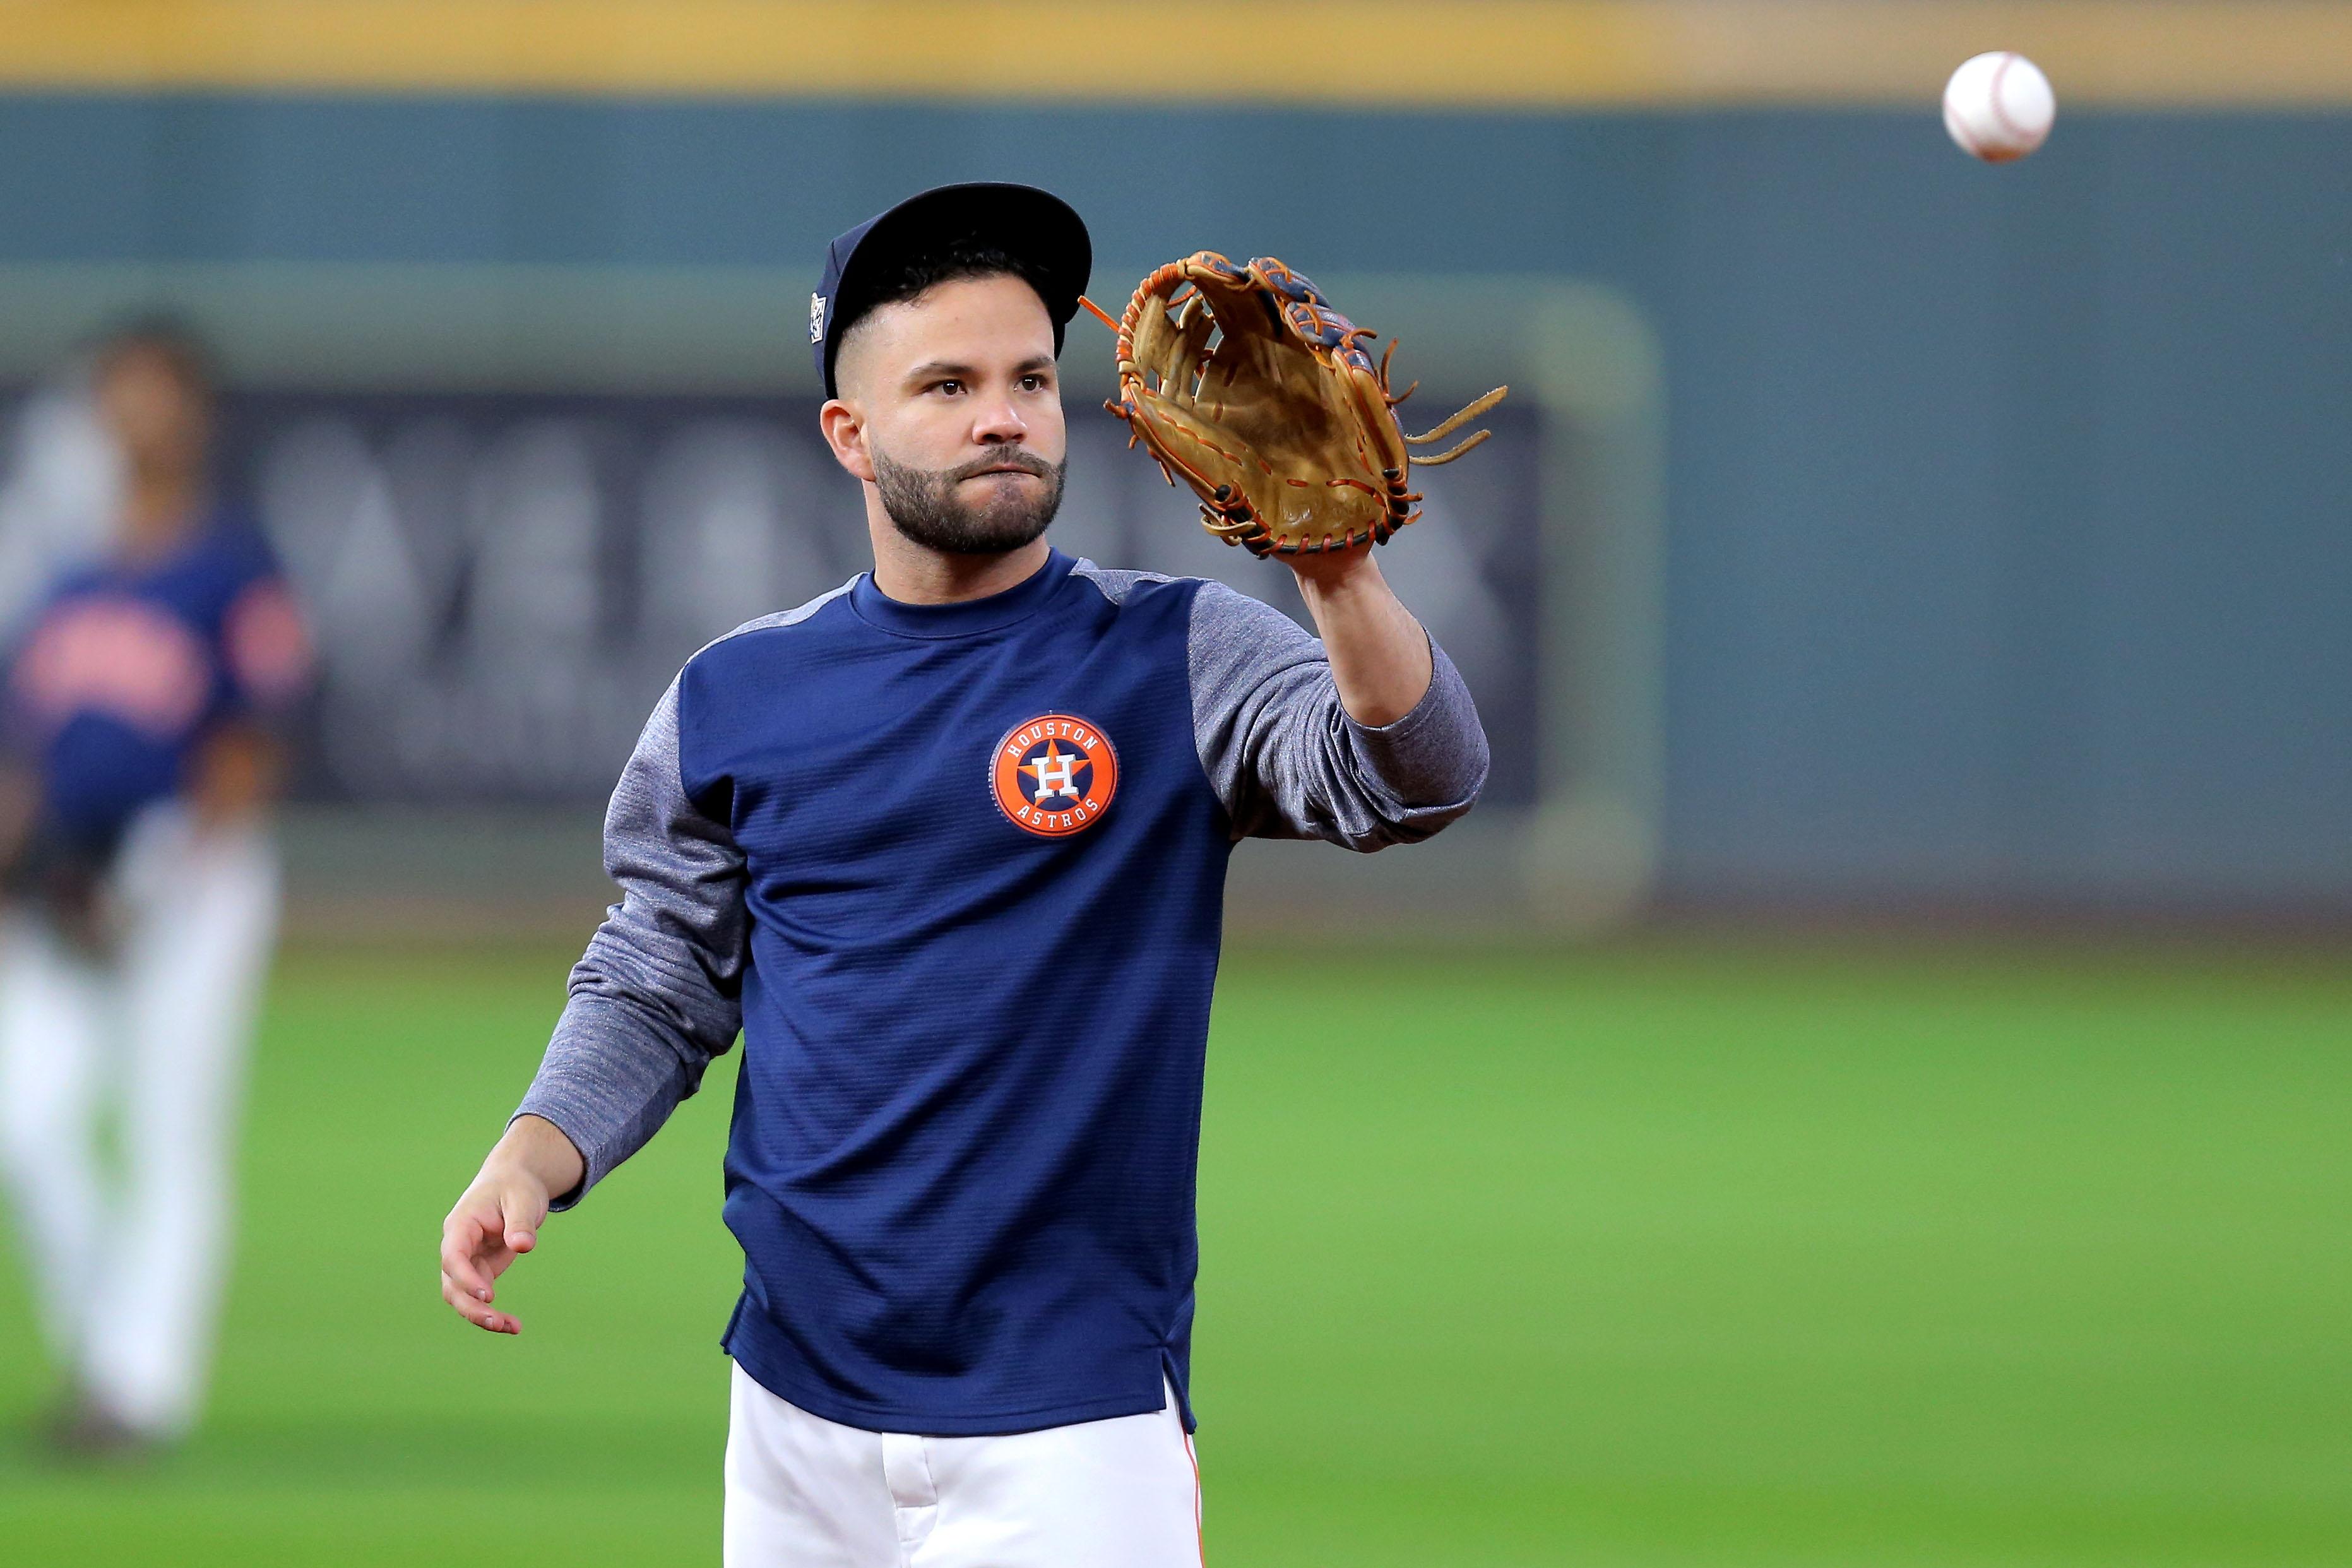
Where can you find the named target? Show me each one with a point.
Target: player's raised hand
(497, 1218)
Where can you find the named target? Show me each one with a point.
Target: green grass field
(1674, 1254)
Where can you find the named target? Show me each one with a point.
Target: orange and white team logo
(1053, 775)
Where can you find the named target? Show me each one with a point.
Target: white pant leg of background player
(805, 1492)
(56, 1018)
(202, 916)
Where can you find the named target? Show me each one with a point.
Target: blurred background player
(141, 902)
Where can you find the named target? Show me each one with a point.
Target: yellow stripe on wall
(1361, 53)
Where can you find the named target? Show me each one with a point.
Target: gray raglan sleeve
(658, 992)
(1288, 762)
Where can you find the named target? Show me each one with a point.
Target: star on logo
(1056, 771)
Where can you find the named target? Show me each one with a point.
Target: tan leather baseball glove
(1246, 383)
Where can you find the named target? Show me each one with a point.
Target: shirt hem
(825, 1404)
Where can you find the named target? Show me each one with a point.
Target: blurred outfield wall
(1961, 536)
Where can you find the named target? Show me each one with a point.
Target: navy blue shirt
(127, 665)
(958, 871)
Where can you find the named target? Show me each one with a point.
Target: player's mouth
(1030, 467)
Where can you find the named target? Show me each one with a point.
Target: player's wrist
(1330, 576)
(536, 1149)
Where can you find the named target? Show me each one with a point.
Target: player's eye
(1032, 382)
(950, 387)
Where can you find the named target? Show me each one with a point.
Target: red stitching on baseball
(2011, 126)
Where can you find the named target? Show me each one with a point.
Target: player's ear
(845, 432)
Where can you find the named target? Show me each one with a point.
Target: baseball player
(141, 901)
(949, 845)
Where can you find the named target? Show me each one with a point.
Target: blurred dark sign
(503, 585)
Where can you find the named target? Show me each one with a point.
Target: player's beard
(923, 504)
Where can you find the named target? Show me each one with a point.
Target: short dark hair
(916, 275)
(182, 349)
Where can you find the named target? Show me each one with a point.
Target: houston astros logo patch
(1053, 775)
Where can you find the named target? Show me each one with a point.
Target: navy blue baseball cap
(1036, 225)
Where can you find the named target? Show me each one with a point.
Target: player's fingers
(475, 1313)
(458, 1240)
(470, 1254)
(457, 1267)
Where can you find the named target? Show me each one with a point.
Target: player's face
(159, 420)
(958, 414)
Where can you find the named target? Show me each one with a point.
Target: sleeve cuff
(548, 1109)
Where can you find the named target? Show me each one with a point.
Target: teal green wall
(2009, 548)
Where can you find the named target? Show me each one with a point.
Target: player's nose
(997, 421)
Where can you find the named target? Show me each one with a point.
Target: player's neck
(911, 575)
(160, 513)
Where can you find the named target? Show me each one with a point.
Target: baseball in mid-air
(1998, 106)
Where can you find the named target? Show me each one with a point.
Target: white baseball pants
(805, 1492)
(129, 1262)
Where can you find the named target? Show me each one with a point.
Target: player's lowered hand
(497, 1218)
